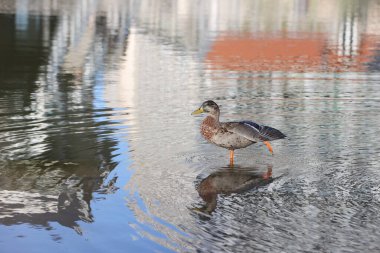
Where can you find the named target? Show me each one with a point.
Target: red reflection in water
(309, 52)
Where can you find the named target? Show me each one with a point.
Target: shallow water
(99, 152)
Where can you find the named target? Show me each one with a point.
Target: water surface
(99, 152)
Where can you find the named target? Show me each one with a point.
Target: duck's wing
(254, 131)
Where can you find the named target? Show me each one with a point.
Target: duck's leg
(231, 158)
(269, 146)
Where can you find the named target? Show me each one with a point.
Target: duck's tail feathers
(271, 134)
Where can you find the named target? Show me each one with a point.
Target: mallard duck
(234, 135)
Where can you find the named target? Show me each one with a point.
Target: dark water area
(99, 152)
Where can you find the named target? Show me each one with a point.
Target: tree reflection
(56, 138)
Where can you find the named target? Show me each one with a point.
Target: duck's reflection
(227, 181)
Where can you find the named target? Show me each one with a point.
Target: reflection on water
(39, 192)
(228, 181)
(55, 135)
(99, 151)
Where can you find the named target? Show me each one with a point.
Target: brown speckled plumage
(209, 127)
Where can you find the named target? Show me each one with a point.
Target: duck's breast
(209, 128)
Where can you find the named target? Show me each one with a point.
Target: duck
(234, 135)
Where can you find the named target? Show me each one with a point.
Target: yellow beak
(199, 111)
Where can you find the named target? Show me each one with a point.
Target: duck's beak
(199, 111)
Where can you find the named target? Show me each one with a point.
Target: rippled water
(99, 152)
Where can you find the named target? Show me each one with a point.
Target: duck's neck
(213, 120)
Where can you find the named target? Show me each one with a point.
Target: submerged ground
(99, 152)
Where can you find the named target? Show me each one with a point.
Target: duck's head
(209, 107)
